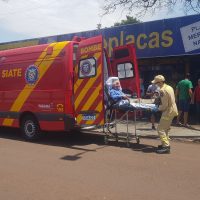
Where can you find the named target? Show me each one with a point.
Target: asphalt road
(81, 167)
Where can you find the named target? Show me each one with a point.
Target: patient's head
(116, 85)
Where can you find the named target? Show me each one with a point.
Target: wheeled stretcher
(117, 113)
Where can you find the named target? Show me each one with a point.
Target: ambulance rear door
(88, 83)
(124, 65)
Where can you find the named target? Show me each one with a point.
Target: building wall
(163, 46)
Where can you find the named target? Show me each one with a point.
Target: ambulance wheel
(30, 128)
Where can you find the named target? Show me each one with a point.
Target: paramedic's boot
(160, 146)
(163, 150)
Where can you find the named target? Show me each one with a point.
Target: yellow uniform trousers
(164, 128)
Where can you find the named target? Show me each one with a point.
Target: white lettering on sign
(45, 106)
(191, 36)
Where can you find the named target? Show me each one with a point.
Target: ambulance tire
(30, 128)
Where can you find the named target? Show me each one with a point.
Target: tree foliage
(141, 7)
(128, 20)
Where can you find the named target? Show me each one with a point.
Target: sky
(26, 19)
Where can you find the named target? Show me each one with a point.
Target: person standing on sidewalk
(196, 101)
(152, 93)
(184, 97)
(169, 111)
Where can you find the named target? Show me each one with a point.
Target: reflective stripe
(28, 89)
(87, 98)
(86, 89)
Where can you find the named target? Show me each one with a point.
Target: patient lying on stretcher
(116, 93)
(122, 101)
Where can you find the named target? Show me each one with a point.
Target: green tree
(128, 20)
(141, 7)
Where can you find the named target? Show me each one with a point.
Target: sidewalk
(176, 133)
(143, 129)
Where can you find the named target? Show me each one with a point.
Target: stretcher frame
(109, 135)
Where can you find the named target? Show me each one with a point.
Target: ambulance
(60, 86)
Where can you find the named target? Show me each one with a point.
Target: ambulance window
(87, 68)
(125, 70)
(75, 49)
(121, 53)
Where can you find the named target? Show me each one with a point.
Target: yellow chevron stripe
(79, 118)
(43, 67)
(101, 122)
(90, 122)
(99, 108)
(86, 88)
(76, 71)
(79, 81)
(84, 91)
(92, 98)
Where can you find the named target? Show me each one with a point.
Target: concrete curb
(143, 130)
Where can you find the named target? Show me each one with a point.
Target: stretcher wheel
(127, 142)
(138, 140)
(105, 139)
(116, 137)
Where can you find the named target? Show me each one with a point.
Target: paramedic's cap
(158, 78)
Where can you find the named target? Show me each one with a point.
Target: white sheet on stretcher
(143, 106)
(125, 105)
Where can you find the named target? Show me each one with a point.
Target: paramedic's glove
(155, 109)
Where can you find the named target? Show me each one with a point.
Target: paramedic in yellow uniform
(169, 111)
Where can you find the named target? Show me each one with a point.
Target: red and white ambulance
(59, 86)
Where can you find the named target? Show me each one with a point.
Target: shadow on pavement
(144, 129)
(144, 148)
(191, 127)
(61, 139)
(78, 155)
(75, 140)
(72, 140)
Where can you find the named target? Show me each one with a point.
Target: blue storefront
(169, 46)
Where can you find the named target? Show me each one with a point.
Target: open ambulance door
(124, 65)
(88, 83)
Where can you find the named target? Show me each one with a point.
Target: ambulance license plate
(89, 117)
